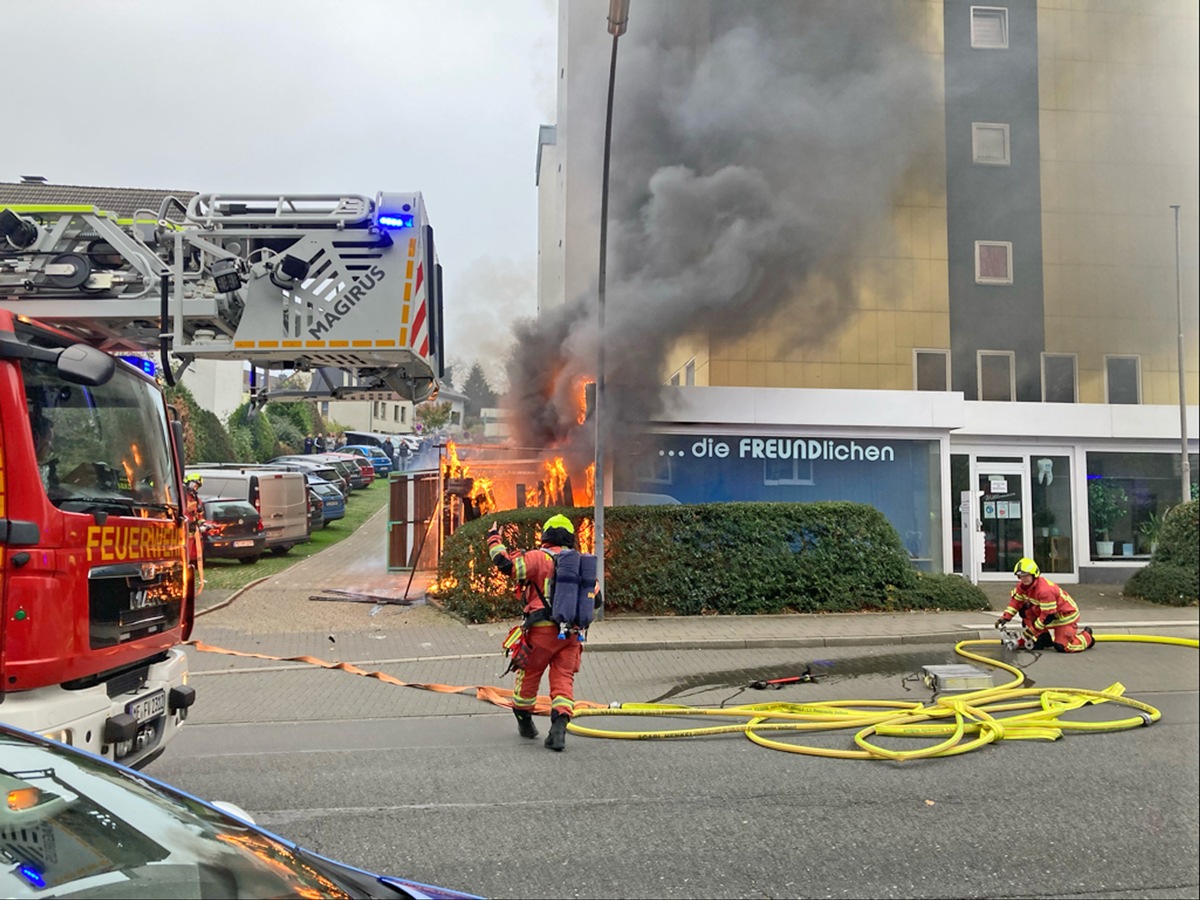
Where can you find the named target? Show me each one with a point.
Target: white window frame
(1137, 370)
(1007, 279)
(1012, 373)
(1074, 374)
(689, 372)
(977, 129)
(982, 13)
(802, 473)
(917, 351)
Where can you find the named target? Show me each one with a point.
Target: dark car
(364, 465)
(316, 510)
(349, 472)
(311, 466)
(233, 529)
(77, 825)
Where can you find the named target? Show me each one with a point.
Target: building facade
(994, 306)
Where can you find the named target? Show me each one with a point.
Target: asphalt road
(458, 799)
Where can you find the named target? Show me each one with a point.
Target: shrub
(1171, 577)
(727, 558)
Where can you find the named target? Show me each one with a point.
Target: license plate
(243, 543)
(146, 708)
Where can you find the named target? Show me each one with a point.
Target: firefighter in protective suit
(1050, 615)
(534, 572)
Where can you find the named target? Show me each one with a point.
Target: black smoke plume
(756, 145)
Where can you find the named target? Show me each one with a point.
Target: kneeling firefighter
(546, 644)
(1049, 613)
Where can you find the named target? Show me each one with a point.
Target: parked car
(310, 466)
(77, 825)
(232, 529)
(334, 501)
(349, 471)
(316, 511)
(374, 455)
(364, 465)
(281, 498)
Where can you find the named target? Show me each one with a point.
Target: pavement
(281, 617)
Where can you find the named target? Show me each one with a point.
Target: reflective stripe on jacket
(1052, 602)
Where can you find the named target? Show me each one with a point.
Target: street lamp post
(618, 18)
(1185, 467)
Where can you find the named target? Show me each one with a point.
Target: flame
(581, 397)
(585, 537)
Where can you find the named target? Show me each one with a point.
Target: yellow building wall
(1118, 127)
(898, 297)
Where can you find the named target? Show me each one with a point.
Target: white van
(280, 497)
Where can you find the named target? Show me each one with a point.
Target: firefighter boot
(557, 738)
(525, 726)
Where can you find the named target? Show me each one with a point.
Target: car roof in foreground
(138, 831)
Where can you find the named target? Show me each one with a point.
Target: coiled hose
(963, 722)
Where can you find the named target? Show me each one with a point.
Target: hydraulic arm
(305, 282)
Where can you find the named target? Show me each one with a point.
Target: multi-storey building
(919, 254)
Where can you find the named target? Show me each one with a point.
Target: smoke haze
(754, 145)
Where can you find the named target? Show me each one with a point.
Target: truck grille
(132, 600)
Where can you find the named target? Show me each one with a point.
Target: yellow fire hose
(964, 722)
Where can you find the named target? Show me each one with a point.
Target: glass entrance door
(1002, 511)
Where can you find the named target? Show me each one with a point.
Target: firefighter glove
(494, 531)
(1001, 622)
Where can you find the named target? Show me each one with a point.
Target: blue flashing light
(140, 362)
(32, 875)
(404, 220)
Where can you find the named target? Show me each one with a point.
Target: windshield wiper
(116, 505)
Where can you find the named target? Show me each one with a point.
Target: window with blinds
(989, 143)
(989, 27)
(993, 262)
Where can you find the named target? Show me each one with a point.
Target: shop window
(1059, 379)
(989, 144)
(993, 262)
(689, 372)
(1122, 381)
(931, 370)
(989, 27)
(996, 377)
(1128, 493)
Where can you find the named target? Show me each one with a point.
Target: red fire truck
(96, 591)
(97, 581)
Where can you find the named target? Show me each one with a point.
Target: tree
(479, 393)
(434, 416)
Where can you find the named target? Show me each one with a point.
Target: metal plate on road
(149, 707)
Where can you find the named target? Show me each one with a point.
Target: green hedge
(718, 558)
(1172, 576)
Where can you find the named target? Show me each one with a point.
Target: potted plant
(1150, 529)
(1106, 504)
(1043, 519)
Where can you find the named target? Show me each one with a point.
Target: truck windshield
(105, 448)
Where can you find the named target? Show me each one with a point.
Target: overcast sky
(302, 96)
